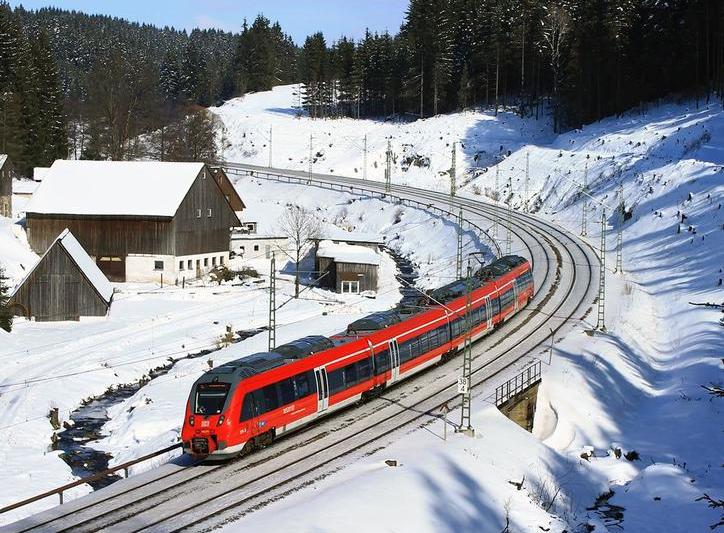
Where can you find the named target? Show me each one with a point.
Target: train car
(247, 403)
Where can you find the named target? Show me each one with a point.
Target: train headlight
(192, 421)
(221, 420)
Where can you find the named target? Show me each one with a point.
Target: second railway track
(173, 497)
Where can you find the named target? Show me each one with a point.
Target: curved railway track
(177, 497)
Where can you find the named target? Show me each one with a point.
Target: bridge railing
(517, 384)
(89, 479)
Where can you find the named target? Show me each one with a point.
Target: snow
(637, 388)
(39, 173)
(3, 158)
(86, 265)
(26, 187)
(337, 234)
(114, 188)
(347, 253)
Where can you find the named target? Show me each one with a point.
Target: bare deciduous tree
(556, 29)
(301, 227)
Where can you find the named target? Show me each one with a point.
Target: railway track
(198, 497)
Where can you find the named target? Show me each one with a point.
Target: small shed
(64, 285)
(373, 241)
(6, 186)
(347, 268)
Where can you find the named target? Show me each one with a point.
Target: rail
(527, 378)
(95, 477)
(288, 177)
(263, 173)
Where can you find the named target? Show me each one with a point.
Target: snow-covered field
(47, 365)
(637, 389)
(634, 392)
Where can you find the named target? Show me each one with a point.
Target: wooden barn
(65, 284)
(140, 221)
(347, 268)
(6, 186)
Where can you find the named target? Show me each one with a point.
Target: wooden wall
(103, 236)
(57, 290)
(351, 271)
(206, 234)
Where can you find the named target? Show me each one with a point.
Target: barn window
(180, 265)
(158, 265)
(213, 261)
(208, 213)
(198, 213)
(190, 264)
(221, 259)
(256, 247)
(206, 261)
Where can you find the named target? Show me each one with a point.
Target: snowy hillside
(631, 401)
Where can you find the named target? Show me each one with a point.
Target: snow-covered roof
(24, 186)
(339, 234)
(3, 158)
(39, 173)
(137, 188)
(347, 253)
(81, 258)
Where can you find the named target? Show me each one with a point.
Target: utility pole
(459, 256)
(601, 321)
(619, 232)
(527, 174)
(364, 168)
(465, 381)
(422, 84)
(388, 168)
(270, 146)
(497, 201)
(509, 234)
(453, 185)
(584, 211)
(272, 304)
(310, 157)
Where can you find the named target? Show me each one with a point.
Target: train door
(320, 376)
(394, 360)
(488, 312)
(515, 295)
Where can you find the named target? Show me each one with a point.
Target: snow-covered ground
(47, 365)
(634, 392)
(637, 389)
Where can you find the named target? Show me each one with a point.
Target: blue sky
(298, 18)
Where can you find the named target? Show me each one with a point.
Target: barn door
(70, 298)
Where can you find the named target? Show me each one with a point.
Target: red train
(247, 403)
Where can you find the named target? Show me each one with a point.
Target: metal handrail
(519, 383)
(60, 490)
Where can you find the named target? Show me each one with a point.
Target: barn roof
(121, 188)
(3, 158)
(339, 234)
(85, 264)
(347, 253)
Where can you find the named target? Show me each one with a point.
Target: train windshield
(210, 398)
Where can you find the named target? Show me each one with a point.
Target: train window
(247, 408)
(271, 398)
(350, 375)
(336, 380)
(286, 389)
(382, 362)
(364, 369)
(210, 398)
(301, 385)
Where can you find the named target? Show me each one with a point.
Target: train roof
(374, 322)
(304, 347)
(499, 267)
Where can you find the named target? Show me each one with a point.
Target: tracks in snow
(176, 497)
